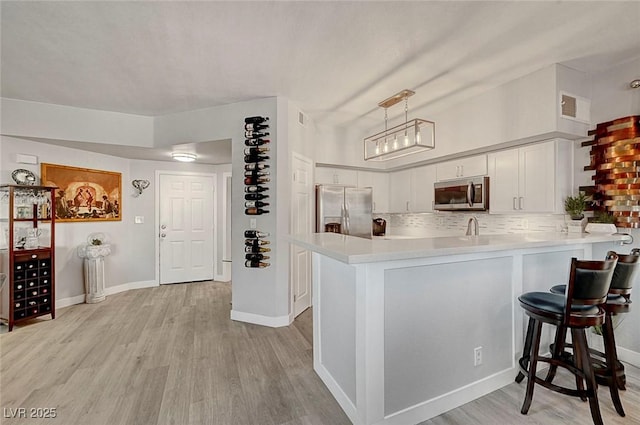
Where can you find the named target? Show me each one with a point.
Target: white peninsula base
(396, 323)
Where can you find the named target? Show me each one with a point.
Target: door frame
(214, 177)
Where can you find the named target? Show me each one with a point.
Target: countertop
(353, 250)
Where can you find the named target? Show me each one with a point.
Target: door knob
(163, 235)
(164, 226)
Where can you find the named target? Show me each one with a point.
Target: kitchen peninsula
(398, 323)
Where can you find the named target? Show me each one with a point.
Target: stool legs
(535, 329)
(611, 355)
(557, 351)
(526, 351)
(581, 352)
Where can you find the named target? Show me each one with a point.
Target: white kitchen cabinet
(411, 190)
(533, 178)
(400, 191)
(464, 167)
(422, 182)
(342, 176)
(379, 181)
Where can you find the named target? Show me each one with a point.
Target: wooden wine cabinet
(27, 252)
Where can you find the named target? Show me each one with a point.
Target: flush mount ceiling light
(184, 156)
(412, 136)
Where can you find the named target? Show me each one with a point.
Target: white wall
(133, 261)
(612, 96)
(42, 120)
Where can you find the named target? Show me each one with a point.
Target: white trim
(445, 402)
(336, 391)
(111, 290)
(259, 319)
(66, 302)
(628, 356)
(129, 286)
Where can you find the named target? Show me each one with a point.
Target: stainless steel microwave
(471, 194)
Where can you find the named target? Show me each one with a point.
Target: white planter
(608, 228)
(93, 256)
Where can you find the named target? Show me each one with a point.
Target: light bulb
(406, 140)
(386, 146)
(418, 137)
(395, 142)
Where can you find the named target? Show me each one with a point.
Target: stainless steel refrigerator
(344, 209)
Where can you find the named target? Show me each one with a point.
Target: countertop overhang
(354, 250)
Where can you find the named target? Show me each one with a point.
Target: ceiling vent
(575, 108)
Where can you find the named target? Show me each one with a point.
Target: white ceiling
(336, 59)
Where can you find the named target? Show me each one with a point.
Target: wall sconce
(412, 136)
(140, 185)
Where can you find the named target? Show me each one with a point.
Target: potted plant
(575, 206)
(603, 222)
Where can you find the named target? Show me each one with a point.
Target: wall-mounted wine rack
(256, 251)
(256, 168)
(256, 179)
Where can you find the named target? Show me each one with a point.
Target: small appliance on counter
(379, 226)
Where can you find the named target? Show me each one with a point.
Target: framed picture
(84, 194)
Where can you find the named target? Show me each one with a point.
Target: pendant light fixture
(412, 136)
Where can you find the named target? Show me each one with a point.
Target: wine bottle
(255, 211)
(256, 173)
(256, 264)
(255, 120)
(256, 249)
(255, 127)
(256, 180)
(255, 158)
(255, 234)
(255, 188)
(255, 134)
(256, 142)
(256, 242)
(255, 204)
(256, 257)
(256, 150)
(255, 196)
(255, 166)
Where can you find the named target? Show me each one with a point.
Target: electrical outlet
(477, 356)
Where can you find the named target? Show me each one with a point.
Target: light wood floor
(170, 355)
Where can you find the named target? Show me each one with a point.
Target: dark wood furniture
(27, 252)
(607, 368)
(581, 308)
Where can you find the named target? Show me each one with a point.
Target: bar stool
(581, 308)
(607, 368)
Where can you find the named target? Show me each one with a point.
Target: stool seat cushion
(558, 289)
(553, 305)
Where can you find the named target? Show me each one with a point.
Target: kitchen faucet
(473, 220)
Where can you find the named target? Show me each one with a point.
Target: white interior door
(186, 228)
(301, 222)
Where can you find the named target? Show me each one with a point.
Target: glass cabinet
(27, 252)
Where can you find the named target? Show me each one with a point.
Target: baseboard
(628, 356)
(441, 404)
(66, 302)
(129, 286)
(258, 319)
(79, 299)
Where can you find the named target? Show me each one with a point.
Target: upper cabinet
(464, 167)
(379, 181)
(533, 178)
(342, 176)
(411, 190)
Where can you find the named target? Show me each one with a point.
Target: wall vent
(575, 108)
(300, 118)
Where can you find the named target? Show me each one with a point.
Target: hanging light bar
(412, 136)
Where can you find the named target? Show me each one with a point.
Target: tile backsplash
(447, 223)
